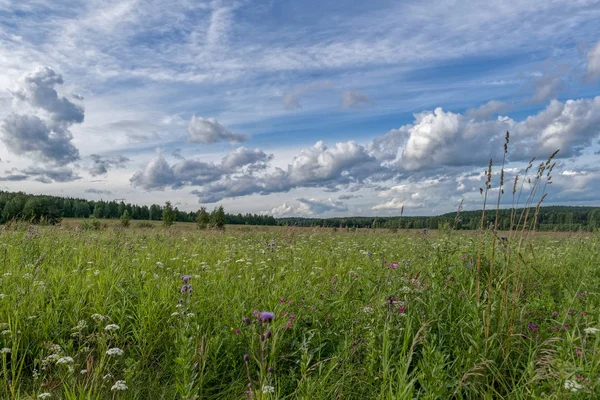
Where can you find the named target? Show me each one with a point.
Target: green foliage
(203, 218)
(125, 219)
(347, 326)
(168, 215)
(217, 218)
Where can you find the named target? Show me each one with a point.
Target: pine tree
(168, 215)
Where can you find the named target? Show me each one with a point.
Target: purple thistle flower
(555, 313)
(268, 335)
(186, 278)
(183, 289)
(246, 357)
(266, 316)
(270, 370)
(533, 327)
(246, 320)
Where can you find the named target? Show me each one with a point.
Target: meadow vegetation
(168, 313)
(119, 311)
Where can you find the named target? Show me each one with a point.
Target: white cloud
(42, 131)
(209, 131)
(593, 61)
(489, 109)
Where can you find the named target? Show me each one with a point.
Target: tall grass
(110, 313)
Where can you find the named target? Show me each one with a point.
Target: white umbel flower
(591, 331)
(44, 395)
(119, 385)
(65, 360)
(115, 351)
(112, 327)
(268, 389)
(573, 386)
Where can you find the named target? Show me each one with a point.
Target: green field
(358, 315)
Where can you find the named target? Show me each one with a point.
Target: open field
(155, 313)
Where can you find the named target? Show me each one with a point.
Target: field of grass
(176, 314)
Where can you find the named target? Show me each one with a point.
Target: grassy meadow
(178, 313)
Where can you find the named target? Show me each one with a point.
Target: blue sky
(305, 108)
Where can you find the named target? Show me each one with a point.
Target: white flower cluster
(268, 389)
(115, 351)
(119, 385)
(112, 327)
(573, 386)
(591, 331)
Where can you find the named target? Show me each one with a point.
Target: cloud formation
(101, 165)
(593, 61)
(209, 131)
(43, 132)
(292, 100)
(354, 99)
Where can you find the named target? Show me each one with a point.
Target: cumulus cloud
(291, 100)
(593, 61)
(437, 141)
(354, 99)
(307, 207)
(441, 138)
(209, 131)
(489, 109)
(43, 130)
(158, 174)
(255, 159)
(101, 165)
(316, 166)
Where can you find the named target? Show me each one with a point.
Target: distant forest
(51, 209)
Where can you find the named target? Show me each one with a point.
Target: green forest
(52, 209)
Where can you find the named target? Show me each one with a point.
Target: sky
(298, 108)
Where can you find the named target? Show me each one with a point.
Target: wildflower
(106, 377)
(246, 357)
(119, 385)
(115, 351)
(98, 317)
(83, 371)
(573, 386)
(368, 310)
(268, 335)
(555, 313)
(246, 321)
(64, 360)
(186, 278)
(112, 327)
(270, 370)
(5, 350)
(402, 309)
(268, 389)
(44, 395)
(266, 316)
(237, 331)
(579, 353)
(591, 331)
(174, 314)
(532, 327)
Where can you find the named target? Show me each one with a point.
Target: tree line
(550, 218)
(51, 209)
